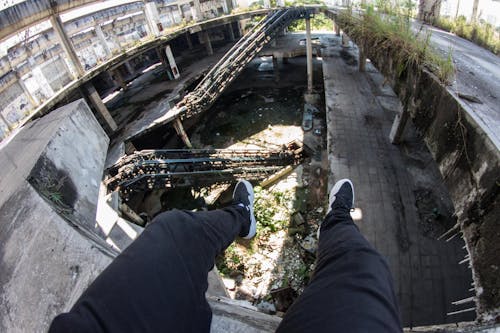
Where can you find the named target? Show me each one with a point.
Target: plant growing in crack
(51, 190)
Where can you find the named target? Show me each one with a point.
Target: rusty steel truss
(167, 169)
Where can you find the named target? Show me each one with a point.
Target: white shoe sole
(253, 222)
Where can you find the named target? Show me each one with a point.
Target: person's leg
(351, 289)
(159, 282)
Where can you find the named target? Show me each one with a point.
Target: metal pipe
(309, 56)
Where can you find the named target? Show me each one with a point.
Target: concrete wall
(49, 181)
(468, 160)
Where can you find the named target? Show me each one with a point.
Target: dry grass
(392, 33)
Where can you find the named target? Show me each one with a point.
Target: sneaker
(243, 196)
(341, 201)
(341, 196)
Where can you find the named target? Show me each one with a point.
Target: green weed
(272, 210)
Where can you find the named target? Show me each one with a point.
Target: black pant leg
(351, 289)
(158, 283)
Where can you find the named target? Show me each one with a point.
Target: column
(309, 56)
(171, 16)
(163, 60)
(180, 131)
(171, 62)
(152, 18)
(206, 40)
(33, 101)
(225, 7)
(58, 27)
(129, 68)
(362, 58)
(117, 41)
(99, 106)
(102, 39)
(9, 127)
(276, 69)
(240, 29)
(45, 88)
(119, 78)
(196, 11)
(231, 32)
(181, 13)
(188, 40)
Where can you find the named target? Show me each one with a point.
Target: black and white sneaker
(341, 196)
(243, 196)
(341, 202)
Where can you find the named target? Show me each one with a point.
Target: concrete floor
(157, 108)
(391, 182)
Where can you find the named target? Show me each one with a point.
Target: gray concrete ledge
(49, 179)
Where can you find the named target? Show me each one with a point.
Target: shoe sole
(253, 222)
(336, 188)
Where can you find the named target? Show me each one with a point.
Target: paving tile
(425, 270)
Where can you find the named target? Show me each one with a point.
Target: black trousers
(158, 283)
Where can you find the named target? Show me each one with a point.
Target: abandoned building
(112, 112)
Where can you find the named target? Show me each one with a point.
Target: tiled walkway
(390, 182)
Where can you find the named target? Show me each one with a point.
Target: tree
(474, 10)
(428, 10)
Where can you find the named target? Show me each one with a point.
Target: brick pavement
(386, 177)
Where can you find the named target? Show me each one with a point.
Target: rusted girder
(167, 169)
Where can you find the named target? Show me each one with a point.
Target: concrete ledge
(49, 180)
(468, 160)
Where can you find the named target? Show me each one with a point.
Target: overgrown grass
(392, 33)
(481, 33)
(272, 210)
